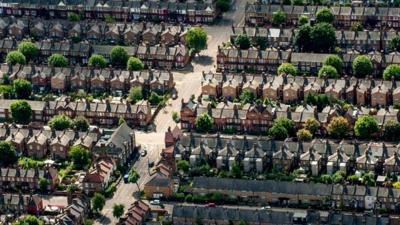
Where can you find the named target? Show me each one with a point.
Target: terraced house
(27, 180)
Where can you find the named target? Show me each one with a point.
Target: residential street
(188, 82)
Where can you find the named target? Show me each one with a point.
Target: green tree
(97, 61)
(57, 60)
(302, 38)
(391, 130)
(328, 72)
(74, 17)
(175, 117)
(155, 98)
(118, 210)
(304, 135)
(21, 111)
(135, 94)
(81, 123)
(119, 56)
(260, 42)
(80, 156)
(287, 68)
(297, 2)
(278, 132)
(236, 171)
(288, 124)
(135, 64)
(60, 122)
(22, 88)
(335, 61)
(338, 127)
(183, 165)
(353, 179)
(98, 201)
(43, 183)
(326, 179)
(368, 179)
(29, 50)
(394, 44)
(204, 122)
(303, 20)
(362, 66)
(365, 127)
(312, 125)
(243, 41)
(196, 39)
(223, 5)
(15, 57)
(8, 154)
(324, 15)
(323, 37)
(338, 177)
(247, 97)
(29, 220)
(392, 71)
(133, 177)
(278, 18)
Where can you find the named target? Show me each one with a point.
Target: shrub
(15, 57)
(362, 66)
(57, 60)
(135, 64)
(392, 71)
(304, 135)
(287, 68)
(335, 61)
(366, 127)
(328, 72)
(97, 61)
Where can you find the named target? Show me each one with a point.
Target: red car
(211, 205)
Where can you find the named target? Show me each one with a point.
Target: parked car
(143, 153)
(211, 205)
(155, 202)
(266, 207)
(151, 164)
(126, 177)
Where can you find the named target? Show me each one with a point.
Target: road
(188, 82)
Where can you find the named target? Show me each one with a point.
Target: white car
(265, 207)
(155, 202)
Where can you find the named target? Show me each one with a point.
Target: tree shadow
(203, 60)
(105, 220)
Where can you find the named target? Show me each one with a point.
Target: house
(26, 180)
(160, 184)
(98, 176)
(136, 214)
(75, 213)
(20, 204)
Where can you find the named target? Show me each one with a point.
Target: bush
(175, 117)
(278, 18)
(28, 49)
(97, 61)
(304, 135)
(81, 123)
(312, 125)
(335, 61)
(21, 112)
(392, 130)
(394, 44)
(362, 66)
(365, 127)
(74, 17)
(135, 94)
(243, 41)
(338, 127)
(278, 132)
(222, 5)
(135, 64)
(288, 124)
(303, 19)
(155, 98)
(61, 122)
(392, 71)
(57, 60)
(15, 57)
(119, 56)
(325, 16)
(328, 72)
(287, 68)
(204, 122)
(189, 198)
(22, 88)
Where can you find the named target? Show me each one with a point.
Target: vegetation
(43, 183)
(278, 18)
(74, 17)
(312, 125)
(287, 68)
(183, 165)
(303, 20)
(29, 220)
(15, 57)
(175, 117)
(278, 132)
(247, 97)
(362, 66)
(98, 201)
(133, 177)
(243, 41)
(61, 122)
(118, 210)
(81, 123)
(335, 61)
(29, 50)
(318, 38)
(204, 122)
(57, 60)
(119, 57)
(304, 135)
(392, 71)
(29, 163)
(97, 61)
(196, 39)
(338, 127)
(327, 71)
(135, 94)
(21, 112)
(325, 15)
(135, 64)
(223, 5)
(391, 130)
(22, 88)
(8, 154)
(394, 44)
(80, 156)
(365, 127)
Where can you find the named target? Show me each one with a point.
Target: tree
(323, 37)
(302, 38)
(304, 135)
(183, 165)
(72, 188)
(312, 125)
(74, 17)
(29, 220)
(278, 18)
(133, 177)
(98, 201)
(326, 179)
(15, 57)
(155, 98)
(236, 171)
(391, 131)
(338, 127)
(21, 112)
(287, 68)
(135, 64)
(278, 132)
(243, 41)
(328, 72)
(196, 39)
(394, 44)
(324, 15)
(81, 123)
(57, 60)
(247, 97)
(135, 94)
(29, 50)
(335, 61)
(80, 156)
(260, 42)
(97, 61)
(121, 121)
(22, 88)
(8, 154)
(353, 179)
(43, 183)
(204, 122)
(222, 5)
(392, 71)
(119, 56)
(338, 177)
(175, 117)
(61, 122)
(365, 127)
(118, 210)
(288, 124)
(362, 66)
(303, 19)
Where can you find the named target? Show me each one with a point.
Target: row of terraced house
(345, 16)
(188, 12)
(85, 78)
(255, 60)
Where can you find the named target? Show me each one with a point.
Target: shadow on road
(203, 60)
(105, 220)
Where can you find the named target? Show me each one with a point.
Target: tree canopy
(247, 97)
(98, 201)
(362, 66)
(312, 125)
(15, 57)
(394, 44)
(338, 127)
(57, 60)
(391, 130)
(29, 50)
(278, 132)
(119, 56)
(318, 38)
(278, 18)
(97, 61)
(204, 122)
(61, 122)
(243, 41)
(365, 127)
(22, 88)
(135, 94)
(327, 71)
(81, 123)
(303, 20)
(392, 71)
(118, 210)
(223, 5)
(335, 61)
(325, 15)
(287, 68)
(29, 220)
(21, 111)
(8, 154)
(196, 39)
(135, 64)
(304, 135)
(80, 156)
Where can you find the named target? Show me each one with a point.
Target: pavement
(188, 82)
